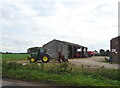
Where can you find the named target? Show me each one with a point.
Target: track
(12, 82)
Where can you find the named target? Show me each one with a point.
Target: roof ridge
(63, 42)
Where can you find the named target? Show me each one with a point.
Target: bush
(61, 68)
(10, 65)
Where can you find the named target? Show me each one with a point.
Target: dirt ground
(13, 82)
(93, 62)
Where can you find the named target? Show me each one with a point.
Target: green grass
(14, 56)
(105, 61)
(61, 74)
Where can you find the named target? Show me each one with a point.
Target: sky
(33, 23)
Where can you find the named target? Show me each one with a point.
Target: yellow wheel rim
(45, 58)
(32, 59)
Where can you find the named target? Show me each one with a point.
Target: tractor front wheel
(32, 59)
(45, 58)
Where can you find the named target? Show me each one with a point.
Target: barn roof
(115, 37)
(68, 43)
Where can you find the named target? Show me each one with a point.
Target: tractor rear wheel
(45, 58)
(32, 59)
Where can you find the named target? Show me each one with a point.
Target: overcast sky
(31, 23)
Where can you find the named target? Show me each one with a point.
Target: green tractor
(39, 55)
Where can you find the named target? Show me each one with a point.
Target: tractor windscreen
(41, 50)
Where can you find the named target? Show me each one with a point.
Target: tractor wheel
(45, 58)
(32, 59)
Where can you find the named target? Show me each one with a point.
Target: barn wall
(65, 52)
(51, 49)
(115, 49)
(63, 48)
(54, 47)
(119, 49)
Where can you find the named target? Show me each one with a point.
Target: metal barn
(68, 49)
(115, 49)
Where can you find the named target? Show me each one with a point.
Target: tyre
(45, 58)
(32, 59)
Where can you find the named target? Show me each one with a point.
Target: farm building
(69, 50)
(115, 49)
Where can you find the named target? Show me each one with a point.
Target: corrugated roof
(68, 43)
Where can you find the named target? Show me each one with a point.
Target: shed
(69, 50)
(115, 49)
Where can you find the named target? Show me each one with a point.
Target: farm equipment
(39, 55)
(90, 53)
(109, 59)
(61, 57)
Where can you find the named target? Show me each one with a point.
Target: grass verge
(61, 74)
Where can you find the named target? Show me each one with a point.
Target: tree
(96, 53)
(102, 52)
(107, 53)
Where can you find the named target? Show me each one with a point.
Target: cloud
(28, 23)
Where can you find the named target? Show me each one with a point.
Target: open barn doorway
(70, 51)
(75, 52)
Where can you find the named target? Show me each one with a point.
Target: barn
(69, 50)
(115, 49)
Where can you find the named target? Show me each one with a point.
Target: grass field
(14, 56)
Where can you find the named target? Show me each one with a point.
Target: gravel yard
(93, 62)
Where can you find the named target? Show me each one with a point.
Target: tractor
(39, 55)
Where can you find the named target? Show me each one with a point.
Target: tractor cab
(41, 51)
(40, 55)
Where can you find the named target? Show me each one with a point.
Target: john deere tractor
(39, 55)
